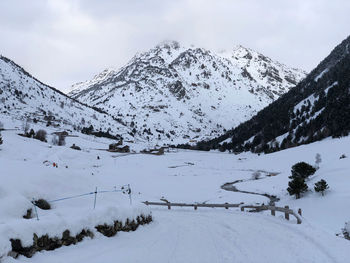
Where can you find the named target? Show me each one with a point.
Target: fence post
(299, 211)
(298, 220)
(129, 190)
(273, 211)
(286, 214)
(36, 211)
(226, 207)
(95, 197)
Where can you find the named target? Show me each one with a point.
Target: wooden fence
(286, 210)
(169, 205)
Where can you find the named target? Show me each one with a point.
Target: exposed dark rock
(28, 214)
(50, 243)
(75, 147)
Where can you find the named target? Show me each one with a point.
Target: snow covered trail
(206, 235)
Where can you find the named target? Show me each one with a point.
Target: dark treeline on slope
(324, 112)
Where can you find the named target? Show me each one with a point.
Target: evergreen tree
(321, 186)
(297, 186)
(302, 170)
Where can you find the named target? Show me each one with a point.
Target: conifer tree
(321, 186)
(297, 186)
(302, 170)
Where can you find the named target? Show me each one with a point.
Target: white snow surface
(24, 97)
(175, 94)
(181, 234)
(319, 76)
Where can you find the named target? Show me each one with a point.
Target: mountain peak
(174, 94)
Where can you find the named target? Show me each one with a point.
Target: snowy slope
(318, 107)
(174, 93)
(24, 97)
(178, 235)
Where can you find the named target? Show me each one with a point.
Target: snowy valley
(260, 174)
(179, 234)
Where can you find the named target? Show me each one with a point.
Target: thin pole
(130, 194)
(36, 212)
(95, 197)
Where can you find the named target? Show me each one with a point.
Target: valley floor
(178, 235)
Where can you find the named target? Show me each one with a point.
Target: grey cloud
(65, 41)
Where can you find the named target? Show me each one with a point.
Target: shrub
(297, 186)
(256, 175)
(75, 147)
(321, 186)
(302, 170)
(42, 204)
(345, 231)
(40, 135)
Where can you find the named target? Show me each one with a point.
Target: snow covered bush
(256, 175)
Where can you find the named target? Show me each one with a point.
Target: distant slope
(24, 97)
(316, 108)
(175, 94)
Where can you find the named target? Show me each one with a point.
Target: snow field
(178, 235)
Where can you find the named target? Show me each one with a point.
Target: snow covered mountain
(318, 107)
(24, 97)
(176, 94)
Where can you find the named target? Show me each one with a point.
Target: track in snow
(207, 235)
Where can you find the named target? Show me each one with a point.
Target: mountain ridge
(318, 107)
(24, 97)
(192, 89)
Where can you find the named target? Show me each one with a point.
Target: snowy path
(206, 235)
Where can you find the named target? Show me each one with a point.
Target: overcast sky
(66, 41)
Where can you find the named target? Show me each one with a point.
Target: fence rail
(124, 189)
(169, 205)
(286, 210)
